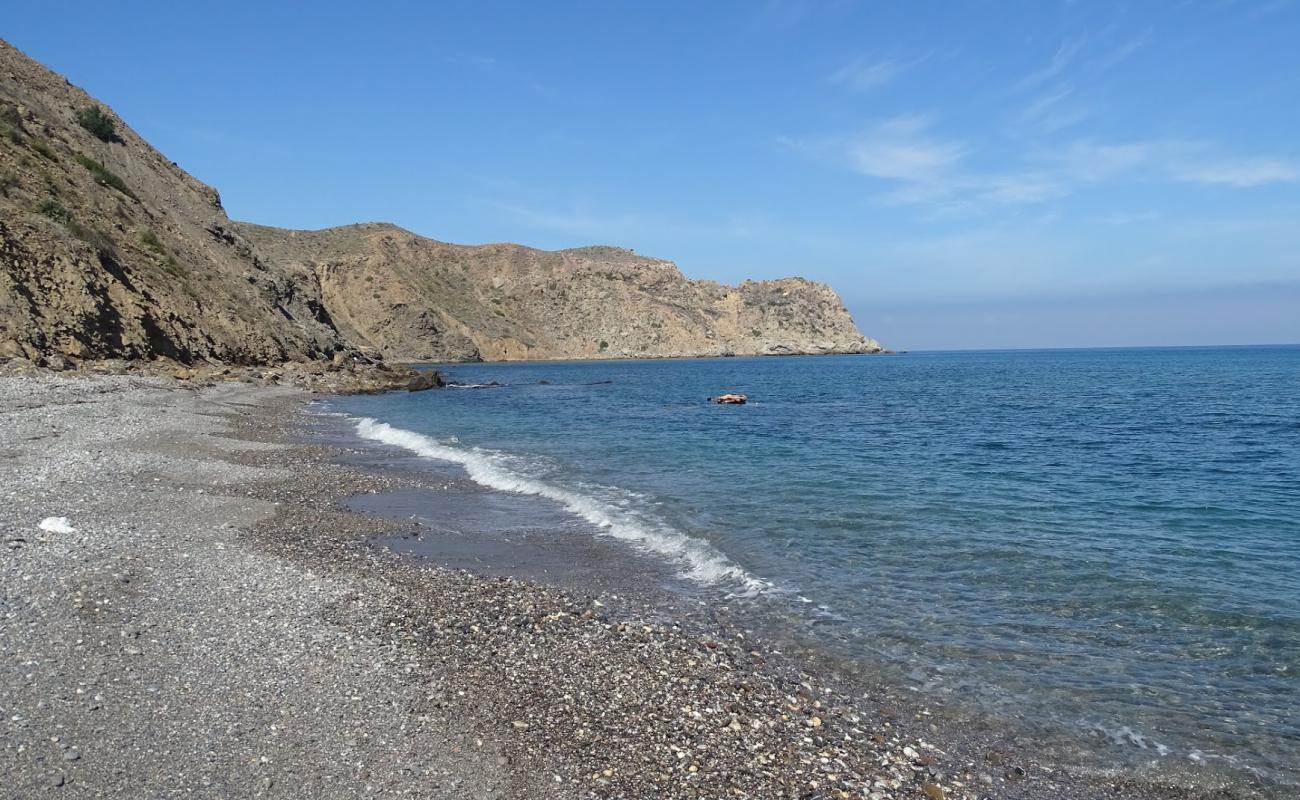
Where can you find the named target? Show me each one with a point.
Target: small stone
(58, 780)
(520, 724)
(933, 791)
(71, 755)
(815, 722)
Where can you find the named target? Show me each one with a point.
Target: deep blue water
(1108, 540)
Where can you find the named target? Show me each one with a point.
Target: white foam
(698, 560)
(1125, 735)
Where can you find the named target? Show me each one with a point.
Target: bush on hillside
(103, 176)
(99, 123)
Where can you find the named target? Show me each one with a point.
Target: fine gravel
(215, 624)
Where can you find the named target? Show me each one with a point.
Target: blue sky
(966, 174)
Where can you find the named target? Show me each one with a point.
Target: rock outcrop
(416, 299)
(109, 251)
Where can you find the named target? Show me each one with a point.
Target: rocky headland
(112, 255)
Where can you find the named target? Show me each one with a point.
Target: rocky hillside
(417, 299)
(108, 250)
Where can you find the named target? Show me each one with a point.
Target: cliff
(108, 250)
(417, 299)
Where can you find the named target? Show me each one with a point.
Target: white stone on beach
(56, 525)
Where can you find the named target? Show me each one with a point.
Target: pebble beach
(208, 620)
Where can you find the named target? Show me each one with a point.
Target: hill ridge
(109, 250)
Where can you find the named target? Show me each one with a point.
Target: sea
(1102, 544)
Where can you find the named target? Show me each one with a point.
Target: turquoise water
(1104, 540)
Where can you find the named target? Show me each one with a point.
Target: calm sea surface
(1107, 541)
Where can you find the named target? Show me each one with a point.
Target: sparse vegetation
(169, 264)
(604, 345)
(150, 240)
(54, 210)
(104, 176)
(43, 147)
(12, 123)
(174, 269)
(7, 182)
(99, 123)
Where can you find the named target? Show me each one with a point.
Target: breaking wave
(697, 560)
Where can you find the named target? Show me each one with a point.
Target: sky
(966, 174)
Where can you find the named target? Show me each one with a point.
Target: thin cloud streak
(1061, 59)
(864, 75)
(1243, 173)
(920, 167)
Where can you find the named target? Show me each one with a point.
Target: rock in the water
(424, 379)
(730, 399)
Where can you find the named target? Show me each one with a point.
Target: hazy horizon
(967, 177)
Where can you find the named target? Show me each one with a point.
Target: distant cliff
(108, 250)
(414, 298)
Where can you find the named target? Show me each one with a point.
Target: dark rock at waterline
(423, 380)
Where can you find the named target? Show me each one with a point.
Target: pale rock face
(110, 251)
(418, 299)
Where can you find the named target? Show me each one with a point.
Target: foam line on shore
(698, 560)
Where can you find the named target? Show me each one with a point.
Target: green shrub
(99, 123)
(54, 210)
(96, 238)
(604, 345)
(150, 240)
(43, 147)
(7, 182)
(103, 176)
(172, 268)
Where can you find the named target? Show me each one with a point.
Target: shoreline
(270, 648)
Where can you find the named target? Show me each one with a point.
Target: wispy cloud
(1174, 159)
(1061, 59)
(865, 74)
(1241, 172)
(1121, 53)
(918, 166)
(902, 148)
(1053, 111)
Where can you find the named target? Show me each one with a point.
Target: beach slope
(188, 611)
